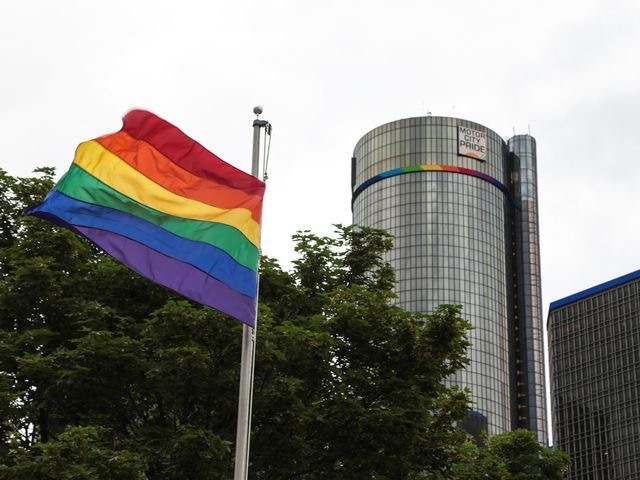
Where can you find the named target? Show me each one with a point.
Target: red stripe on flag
(186, 152)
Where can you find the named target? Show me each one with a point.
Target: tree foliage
(363, 380)
(104, 375)
(98, 361)
(513, 455)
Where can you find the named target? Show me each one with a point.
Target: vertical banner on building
(472, 143)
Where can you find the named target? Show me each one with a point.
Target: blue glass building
(594, 347)
(462, 206)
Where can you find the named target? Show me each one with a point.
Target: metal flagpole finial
(257, 122)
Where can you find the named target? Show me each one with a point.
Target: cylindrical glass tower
(443, 187)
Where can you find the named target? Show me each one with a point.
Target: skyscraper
(462, 206)
(594, 347)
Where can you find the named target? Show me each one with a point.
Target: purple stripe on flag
(176, 275)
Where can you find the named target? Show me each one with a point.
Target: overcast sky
(328, 72)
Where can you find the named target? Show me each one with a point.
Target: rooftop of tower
(595, 290)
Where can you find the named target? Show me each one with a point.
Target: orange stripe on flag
(161, 170)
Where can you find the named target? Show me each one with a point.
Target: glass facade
(453, 244)
(529, 343)
(594, 347)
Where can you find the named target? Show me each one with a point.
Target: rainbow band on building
(166, 207)
(428, 168)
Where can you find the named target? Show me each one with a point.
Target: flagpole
(245, 395)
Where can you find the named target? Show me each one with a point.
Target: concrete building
(462, 206)
(594, 350)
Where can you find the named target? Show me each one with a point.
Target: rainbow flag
(168, 208)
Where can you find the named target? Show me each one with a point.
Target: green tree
(92, 354)
(525, 459)
(513, 455)
(361, 380)
(104, 375)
